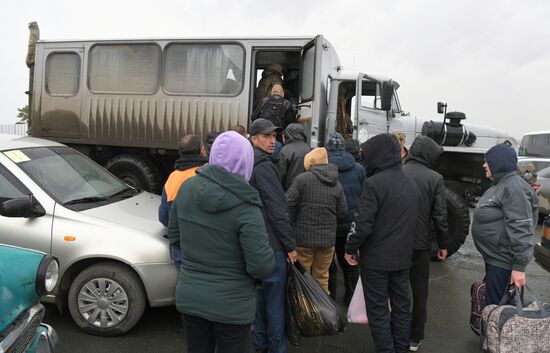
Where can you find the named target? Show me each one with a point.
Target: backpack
(274, 109)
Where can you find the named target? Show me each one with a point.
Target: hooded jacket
(185, 168)
(290, 161)
(506, 215)
(351, 175)
(316, 200)
(385, 222)
(217, 221)
(266, 179)
(423, 154)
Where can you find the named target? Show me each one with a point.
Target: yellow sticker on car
(17, 156)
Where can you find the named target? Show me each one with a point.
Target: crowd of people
(243, 207)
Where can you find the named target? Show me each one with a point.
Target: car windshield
(71, 178)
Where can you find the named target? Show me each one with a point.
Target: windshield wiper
(124, 193)
(91, 199)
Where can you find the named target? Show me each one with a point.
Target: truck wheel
(106, 299)
(135, 171)
(458, 217)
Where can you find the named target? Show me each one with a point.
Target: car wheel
(458, 218)
(134, 170)
(106, 299)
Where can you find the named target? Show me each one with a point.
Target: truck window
(62, 74)
(128, 68)
(370, 97)
(209, 69)
(308, 73)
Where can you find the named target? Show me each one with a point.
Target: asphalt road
(447, 330)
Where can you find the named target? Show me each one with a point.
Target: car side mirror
(25, 207)
(387, 95)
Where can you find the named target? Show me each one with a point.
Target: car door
(32, 233)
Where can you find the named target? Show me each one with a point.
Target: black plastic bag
(309, 308)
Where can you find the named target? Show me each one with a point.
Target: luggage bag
(515, 328)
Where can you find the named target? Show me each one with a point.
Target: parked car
(25, 276)
(113, 258)
(542, 249)
(542, 166)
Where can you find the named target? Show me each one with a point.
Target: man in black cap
(269, 324)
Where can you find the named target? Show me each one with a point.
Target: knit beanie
(232, 152)
(501, 158)
(316, 156)
(335, 142)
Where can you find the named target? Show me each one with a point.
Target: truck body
(127, 103)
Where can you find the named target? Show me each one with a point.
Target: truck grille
(26, 326)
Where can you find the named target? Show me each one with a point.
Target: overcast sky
(489, 59)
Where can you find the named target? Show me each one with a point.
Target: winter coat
(423, 154)
(316, 200)
(266, 179)
(217, 221)
(504, 222)
(185, 168)
(351, 175)
(291, 158)
(383, 231)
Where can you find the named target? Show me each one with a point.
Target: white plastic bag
(357, 310)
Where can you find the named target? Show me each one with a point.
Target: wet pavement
(447, 330)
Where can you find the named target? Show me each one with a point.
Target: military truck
(126, 104)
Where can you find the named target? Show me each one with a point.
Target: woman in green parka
(217, 222)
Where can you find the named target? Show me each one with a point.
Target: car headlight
(48, 273)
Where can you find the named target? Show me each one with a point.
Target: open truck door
(371, 107)
(310, 89)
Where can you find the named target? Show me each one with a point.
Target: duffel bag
(516, 328)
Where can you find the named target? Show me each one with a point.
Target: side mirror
(441, 107)
(24, 207)
(387, 95)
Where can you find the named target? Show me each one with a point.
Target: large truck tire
(458, 217)
(134, 170)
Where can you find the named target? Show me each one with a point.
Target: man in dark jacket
(316, 200)
(291, 158)
(423, 154)
(216, 219)
(383, 234)
(351, 175)
(269, 324)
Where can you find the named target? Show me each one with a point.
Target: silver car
(113, 258)
(542, 166)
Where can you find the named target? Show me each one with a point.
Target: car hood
(139, 212)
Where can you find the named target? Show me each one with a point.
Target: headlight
(48, 273)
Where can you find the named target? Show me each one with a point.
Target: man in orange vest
(192, 156)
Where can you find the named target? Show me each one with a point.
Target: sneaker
(414, 345)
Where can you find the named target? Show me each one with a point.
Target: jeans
(204, 336)
(269, 323)
(390, 334)
(419, 276)
(496, 283)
